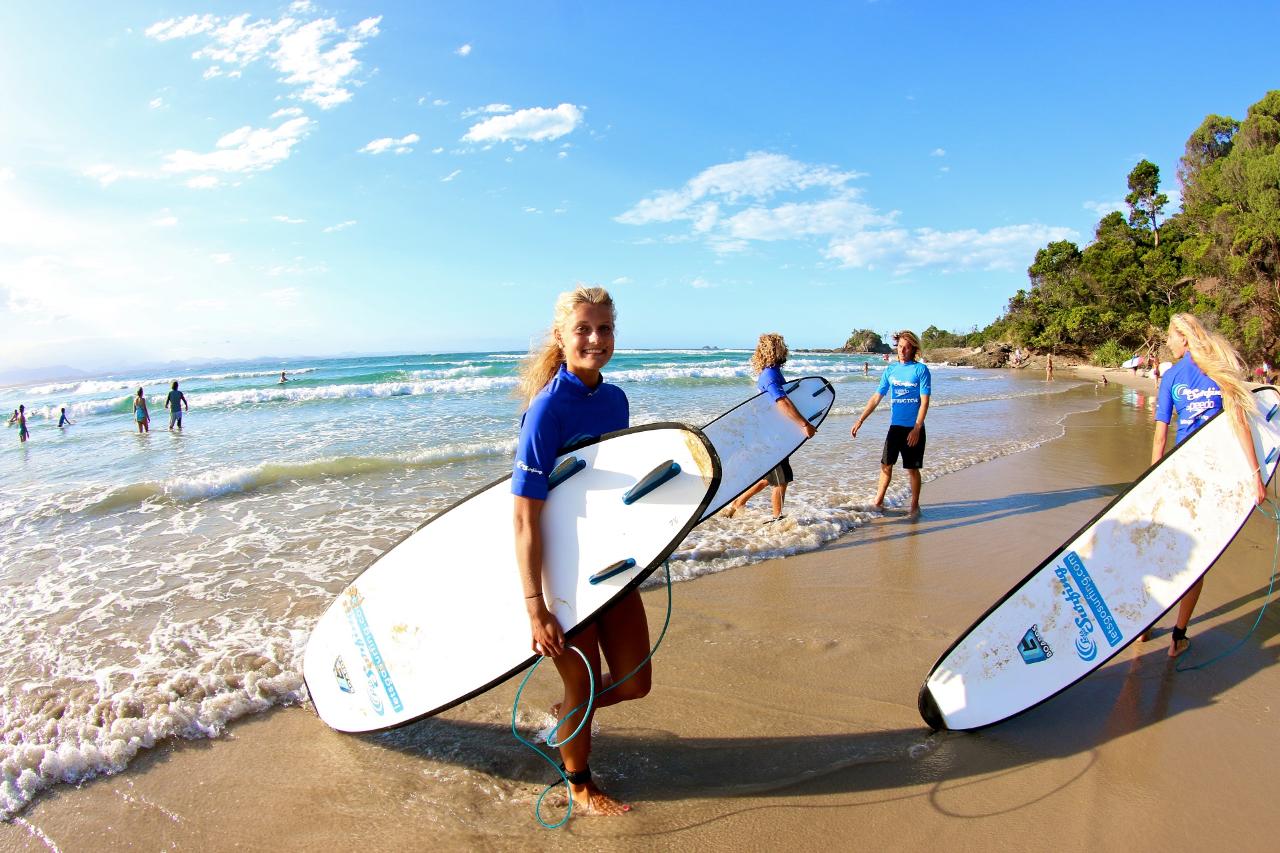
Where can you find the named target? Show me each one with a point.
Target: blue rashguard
(771, 382)
(564, 411)
(1186, 389)
(904, 384)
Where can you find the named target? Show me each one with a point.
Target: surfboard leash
(589, 704)
(1273, 515)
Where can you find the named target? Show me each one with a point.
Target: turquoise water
(161, 585)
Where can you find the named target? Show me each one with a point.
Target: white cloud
(438, 150)
(449, 177)
(1003, 248)
(283, 297)
(244, 150)
(532, 210)
(1102, 208)
(700, 283)
(489, 109)
(439, 102)
(204, 182)
(938, 152)
(465, 50)
(341, 226)
(107, 175)
(403, 145)
(287, 112)
(771, 197)
(221, 257)
(317, 57)
(156, 103)
(537, 124)
(621, 280)
(165, 220)
(288, 220)
(6, 174)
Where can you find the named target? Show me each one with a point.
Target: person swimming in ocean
(565, 397)
(283, 378)
(63, 420)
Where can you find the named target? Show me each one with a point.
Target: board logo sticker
(340, 673)
(1073, 569)
(1033, 648)
(375, 669)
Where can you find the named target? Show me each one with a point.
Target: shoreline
(783, 711)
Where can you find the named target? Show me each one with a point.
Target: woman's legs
(623, 635)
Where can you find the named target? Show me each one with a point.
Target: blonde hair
(1216, 357)
(542, 363)
(771, 351)
(911, 339)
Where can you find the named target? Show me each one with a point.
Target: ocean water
(162, 585)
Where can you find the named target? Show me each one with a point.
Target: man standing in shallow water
(908, 385)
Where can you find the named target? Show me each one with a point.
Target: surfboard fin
(616, 569)
(651, 481)
(564, 471)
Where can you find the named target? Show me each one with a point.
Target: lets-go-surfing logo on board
(1033, 648)
(1073, 569)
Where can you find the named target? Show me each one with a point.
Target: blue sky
(232, 180)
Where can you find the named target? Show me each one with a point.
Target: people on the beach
(566, 397)
(866, 368)
(140, 413)
(908, 385)
(1048, 368)
(1204, 380)
(175, 402)
(63, 420)
(21, 416)
(766, 362)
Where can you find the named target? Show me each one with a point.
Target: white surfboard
(1109, 582)
(1131, 363)
(753, 437)
(440, 617)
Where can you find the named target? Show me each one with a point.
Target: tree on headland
(865, 340)
(1145, 200)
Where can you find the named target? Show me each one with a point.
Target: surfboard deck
(1109, 582)
(754, 437)
(440, 617)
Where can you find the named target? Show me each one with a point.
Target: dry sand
(783, 714)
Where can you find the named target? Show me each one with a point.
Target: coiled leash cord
(589, 704)
(1274, 515)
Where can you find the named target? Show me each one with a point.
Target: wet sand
(783, 714)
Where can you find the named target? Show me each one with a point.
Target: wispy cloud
(403, 145)
(537, 124)
(449, 177)
(246, 149)
(465, 50)
(316, 58)
(1102, 208)
(288, 220)
(489, 109)
(166, 219)
(938, 152)
(772, 197)
(341, 226)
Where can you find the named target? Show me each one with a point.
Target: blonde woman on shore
(1204, 380)
(771, 353)
(566, 400)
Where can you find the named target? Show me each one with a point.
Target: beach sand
(783, 714)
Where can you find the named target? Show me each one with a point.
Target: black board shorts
(781, 473)
(896, 442)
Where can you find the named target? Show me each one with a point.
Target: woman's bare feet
(732, 509)
(1179, 646)
(590, 800)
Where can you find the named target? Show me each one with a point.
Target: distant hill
(39, 374)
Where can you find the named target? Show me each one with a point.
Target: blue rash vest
(563, 411)
(1188, 390)
(771, 382)
(904, 384)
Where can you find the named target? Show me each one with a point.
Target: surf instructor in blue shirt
(908, 385)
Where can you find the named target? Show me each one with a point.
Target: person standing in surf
(175, 403)
(771, 353)
(567, 400)
(1204, 380)
(23, 432)
(140, 413)
(908, 385)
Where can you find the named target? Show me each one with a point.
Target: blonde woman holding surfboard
(1204, 380)
(566, 400)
